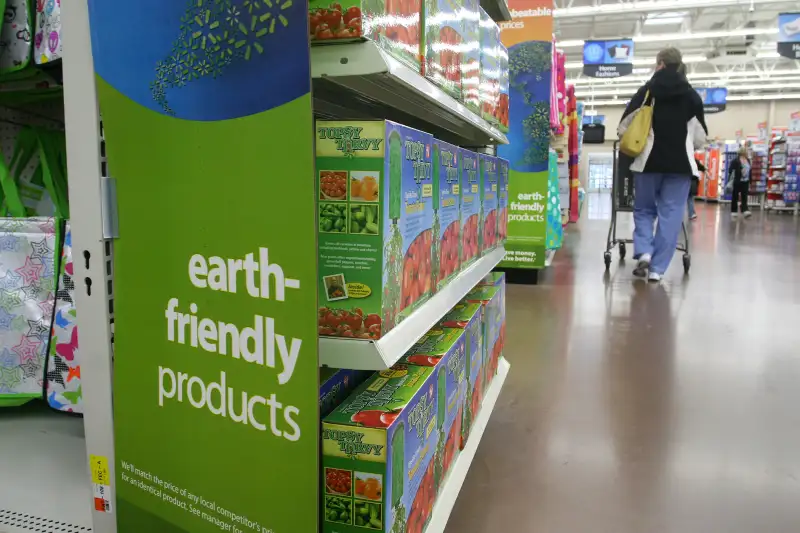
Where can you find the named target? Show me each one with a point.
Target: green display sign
(527, 220)
(206, 108)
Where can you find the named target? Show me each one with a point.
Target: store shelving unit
(497, 9)
(776, 176)
(360, 80)
(383, 353)
(758, 175)
(458, 473)
(51, 487)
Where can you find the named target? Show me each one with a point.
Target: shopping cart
(622, 198)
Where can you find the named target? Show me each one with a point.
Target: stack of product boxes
(455, 44)
(400, 215)
(388, 447)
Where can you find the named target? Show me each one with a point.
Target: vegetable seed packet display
(502, 201)
(446, 211)
(468, 316)
(490, 67)
(378, 454)
(488, 164)
(336, 384)
(491, 298)
(501, 111)
(394, 25)
(471, 207)
(471, 75)
(375, 225)
(444, 349)
(444, 44)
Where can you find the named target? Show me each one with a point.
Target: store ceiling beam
(731, 98)
(651, 6)
(678, 37)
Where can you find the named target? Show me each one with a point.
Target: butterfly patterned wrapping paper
(15, 37)
(27, 301)
(64, 391)
(47, 37)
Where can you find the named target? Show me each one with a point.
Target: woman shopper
(739, 182)
(664, 169)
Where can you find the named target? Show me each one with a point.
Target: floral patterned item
(27, 299)
(64, 392)
(47, 38)
(15, 37)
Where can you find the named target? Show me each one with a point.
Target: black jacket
(735, 167)
(677, 116)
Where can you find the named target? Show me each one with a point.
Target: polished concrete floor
(636, 408)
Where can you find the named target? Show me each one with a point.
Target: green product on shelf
(378, 451)
(444, 349)
(491, 298)
(376, 221)
(471, 208)
(396, 27)
(502, 201)
(447, 201)
(489, 192)
(469, 318)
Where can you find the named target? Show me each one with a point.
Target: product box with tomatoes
(471, 74)
(491, 298)
(336, 384)
(378, 451)
(490, 67)
(471, 207)
(444, 44)
(468, 316)
(488, 164)
(447, 211)
(375, 225)
(444, 349)
(394, 25)
(502, 201)
(501, 112)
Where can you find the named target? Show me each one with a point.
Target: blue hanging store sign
(789, 35)
(608, 59)
(714, 99)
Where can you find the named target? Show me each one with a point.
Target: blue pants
(661, 196)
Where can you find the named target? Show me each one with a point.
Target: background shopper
(739, 183)
(664, 170)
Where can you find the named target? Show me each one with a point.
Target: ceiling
(725, 43)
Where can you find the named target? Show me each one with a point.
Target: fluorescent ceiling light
(649, 6)
(678, 37)
(664, 19)
(686, 59)
(768, 55)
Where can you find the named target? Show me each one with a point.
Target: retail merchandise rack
(61, 475)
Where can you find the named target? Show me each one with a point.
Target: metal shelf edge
(379, 355)
(347, 61)
(497, 9)
(458, 473)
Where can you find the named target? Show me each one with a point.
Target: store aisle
(634, 408)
